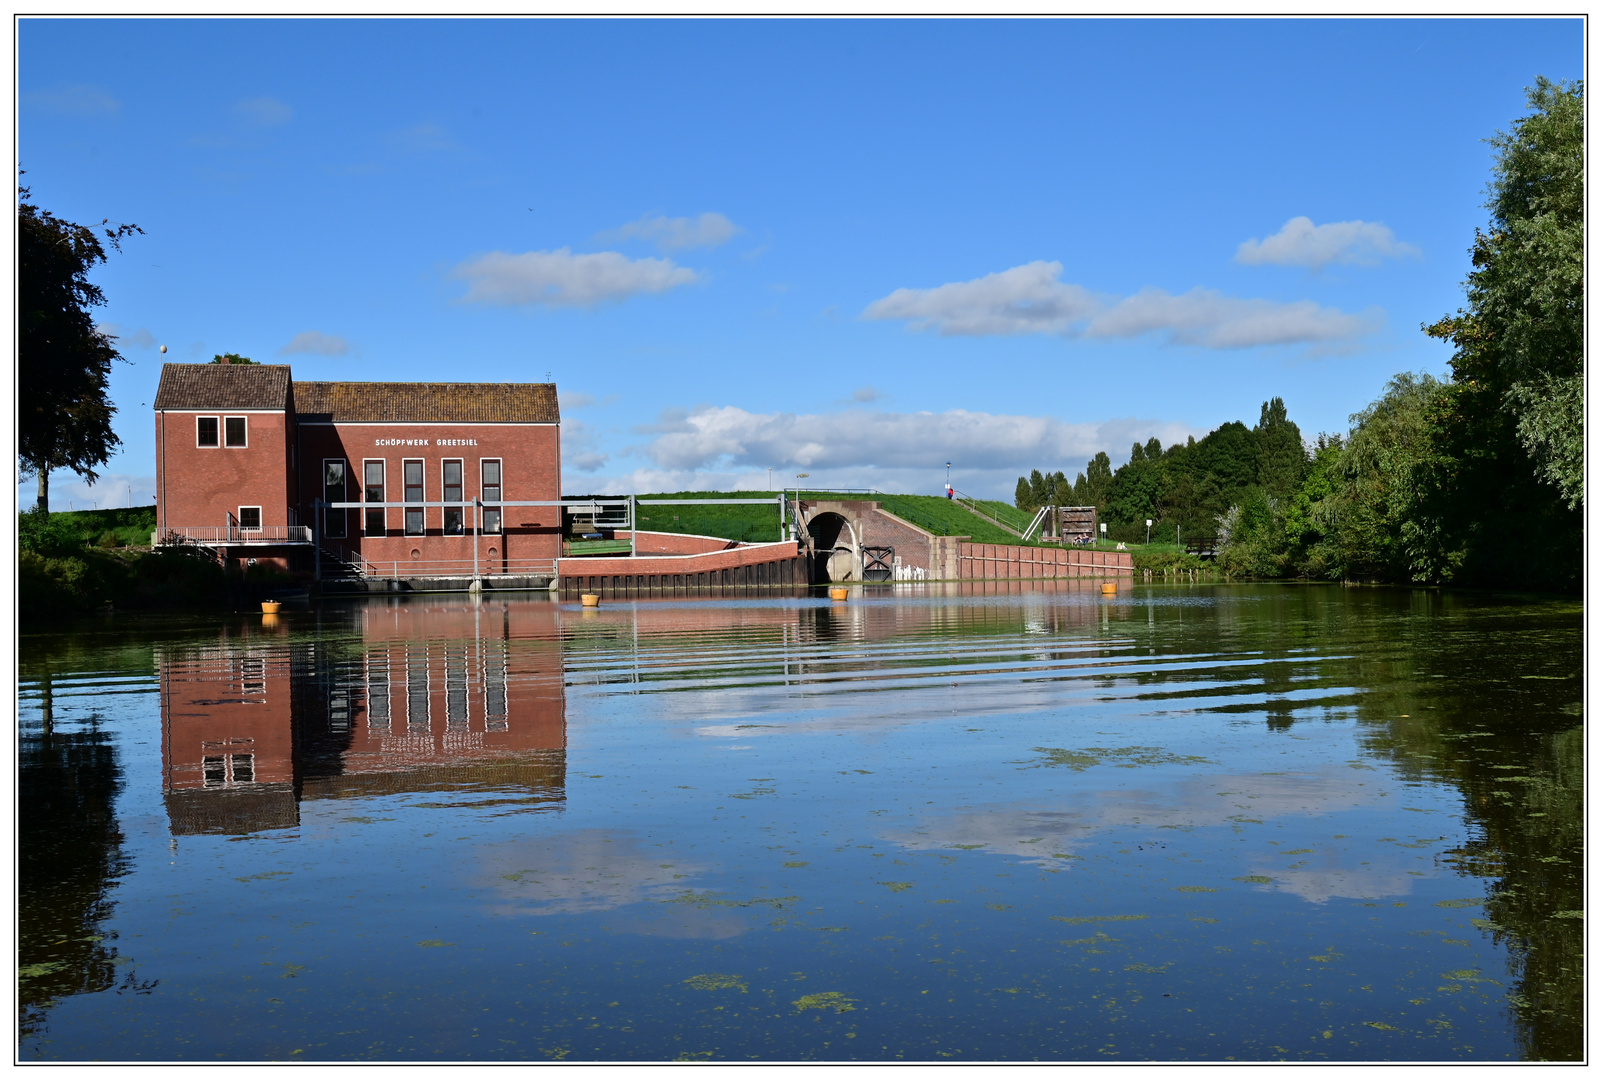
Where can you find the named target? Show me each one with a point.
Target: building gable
(219, 387)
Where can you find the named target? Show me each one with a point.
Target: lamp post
(1104, 532)
(799, 477)
(1148, 530)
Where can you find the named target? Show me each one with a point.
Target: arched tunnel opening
(832, 556)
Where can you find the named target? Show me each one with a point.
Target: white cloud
(310, 341)
(263, 112)
(112, 490)
(677, 234)
(127, 339)
(1301, 243)
(74, 99)
(573, 399)
(562, 279)
(867, 393)
(730, 436)
(1210, 319)
(580, 449)
(1030, 299)
(1027, 299)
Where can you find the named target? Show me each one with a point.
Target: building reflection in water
(386, 699)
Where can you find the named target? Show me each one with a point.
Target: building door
(334, 492)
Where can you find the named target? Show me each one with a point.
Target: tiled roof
(223, 386)
(427, 403)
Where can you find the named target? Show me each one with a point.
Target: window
(334, 492)
(413, 478)
(373, 484)
(451, 472)
(205, 431)
(378, 689)
(225, 770)
(250, 519)
(490, 492)
(234, 431)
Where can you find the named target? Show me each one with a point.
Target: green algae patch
(1127, 757)
(794, 865)
(831, 999)
(1194, 888)
(1097, 918)
(714, 900)
(897, 886)
(1255, 879)
(35, 971)
(1148, 968)
(435, 943)
(716, 982)
(1569, 915)
(270, 875)
(1379, 1025)
(1473, 901)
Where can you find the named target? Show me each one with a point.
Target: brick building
(413, 477)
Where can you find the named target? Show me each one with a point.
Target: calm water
(1211, 822)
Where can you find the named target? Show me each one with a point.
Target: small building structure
(409, 479)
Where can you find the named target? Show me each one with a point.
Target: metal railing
(213, 535)
(462, 568)
(1016, 527)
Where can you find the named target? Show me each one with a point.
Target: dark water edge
(980, 826)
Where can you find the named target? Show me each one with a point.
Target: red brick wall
(994, 561)
(201, 486)
(530, 469)
(749, 555)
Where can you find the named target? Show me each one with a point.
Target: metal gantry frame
(568, 505)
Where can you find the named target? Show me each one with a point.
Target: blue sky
(856, 249)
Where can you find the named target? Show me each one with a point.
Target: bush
(53, 587)
(50, 535)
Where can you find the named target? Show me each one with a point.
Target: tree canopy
(1522, 335)
(63, 360)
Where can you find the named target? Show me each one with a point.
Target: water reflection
(70, 850)
(412, 698)
(1001, 820)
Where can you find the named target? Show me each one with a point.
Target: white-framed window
(373, 491)
(412, 479)
(489, 488)
(450, 478)
(250, 519)
(334, 492)
(207, 432)
(235, 432)
(226, 770)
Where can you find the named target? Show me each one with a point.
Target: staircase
(340, 565)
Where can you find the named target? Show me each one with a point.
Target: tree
(1022, 497)
(1098, 478)
(63, 361)
(1522, 335)
(231, 358)
(1281, 457)
(1037, 488)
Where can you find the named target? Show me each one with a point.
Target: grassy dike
(72, 562)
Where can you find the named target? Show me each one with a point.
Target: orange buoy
(590, 599)
(270, 607)
(837, 594)
(1109, 587)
